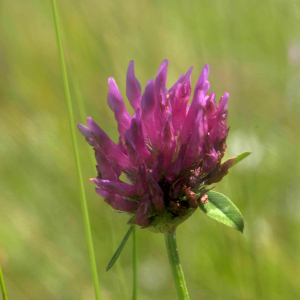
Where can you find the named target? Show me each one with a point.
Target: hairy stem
(76, 153)
(170, 239)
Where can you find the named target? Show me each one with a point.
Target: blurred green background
(253, 49)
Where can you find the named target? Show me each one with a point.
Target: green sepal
(119, 250)
(241, 156)
(220, 208)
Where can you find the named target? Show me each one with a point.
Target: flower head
(169, 150)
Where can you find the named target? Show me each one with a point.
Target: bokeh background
(253, 49)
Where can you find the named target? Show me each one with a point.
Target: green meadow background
(253, 49)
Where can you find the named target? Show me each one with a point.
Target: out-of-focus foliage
(253, 49)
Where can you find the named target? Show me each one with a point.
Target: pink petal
(117, 105)
(140, 138)
(122, 146)
(202, 83)
(168, 142)
(118, 169)
(117, 202)
(143, 212)
(219, 128)
(179, 95)
(161, 76)
(144, 209)
(163, 108)
(141, 181)
(116, 187)
(133, 88)
(132, 150)
(148, 109)
(210, 157)
(157, 168)
(136, 142)
(110, 149)
(156, 194)
(177, 165)
(104, 167)
(195, 144)
(85, 131)
(189, 122)
(223, 104)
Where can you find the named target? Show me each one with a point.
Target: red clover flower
(169, 150)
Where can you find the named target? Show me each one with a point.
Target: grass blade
(120, 248)
(76, 153)
(2, 286)
(82, 115)
(135, 265)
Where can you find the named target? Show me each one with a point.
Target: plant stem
(135, 263)
(2, 286)
(82, 115)
(170, 239)
(76, 154)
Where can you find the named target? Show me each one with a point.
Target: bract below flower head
(169, 150)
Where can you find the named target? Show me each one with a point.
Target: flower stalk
(170, 239)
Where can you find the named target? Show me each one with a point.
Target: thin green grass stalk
(2, 286)
(82, 115)
(170, 239)
(135, 264)
(76, 154)
(120, 270)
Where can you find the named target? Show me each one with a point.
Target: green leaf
(241, 156)
(119, 250)
(220, 208)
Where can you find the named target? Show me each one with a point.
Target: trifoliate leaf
(220, 208)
